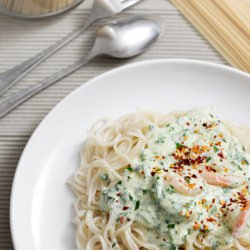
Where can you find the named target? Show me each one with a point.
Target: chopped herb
(160, 140)
(171, 225)
(130, 169)
(150, 127)
(178, 145)
(172, 247)
(119, 183)
(144, 191)
(215, 245)
(246, 161)
(104, 177)
(113, 245)
(239, 167)
(130, 197)
(216, 149)
(137, 205)
(208, 159)
(143, 157)
(111, 198)
(167, 125)
(187, 179)
(170, 190)
(161, 163)
(211, 115)
(129, 178)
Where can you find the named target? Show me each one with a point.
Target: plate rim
(80, 88)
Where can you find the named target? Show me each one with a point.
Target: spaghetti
(155, 181)
(225, 23)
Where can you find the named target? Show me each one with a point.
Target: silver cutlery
(101, 9)
(124, 38)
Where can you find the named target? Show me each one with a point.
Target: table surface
(19, 40)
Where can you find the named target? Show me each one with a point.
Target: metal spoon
(124, 38)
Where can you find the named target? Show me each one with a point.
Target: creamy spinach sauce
(192, 177)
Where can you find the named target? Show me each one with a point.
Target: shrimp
(221, 180)
(181, 186)
(241, 220)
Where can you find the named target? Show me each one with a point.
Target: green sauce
(179, 151)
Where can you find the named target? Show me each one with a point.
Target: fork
(100, 9)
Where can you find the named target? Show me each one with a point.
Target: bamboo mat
(225, 23)
(20, 40)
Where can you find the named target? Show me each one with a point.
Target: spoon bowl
(126, 37)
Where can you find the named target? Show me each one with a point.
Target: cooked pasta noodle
(113, 211)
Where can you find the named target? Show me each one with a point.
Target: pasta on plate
(155, 181)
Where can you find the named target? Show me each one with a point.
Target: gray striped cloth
(20, 40)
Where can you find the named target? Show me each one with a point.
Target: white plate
(41, 210)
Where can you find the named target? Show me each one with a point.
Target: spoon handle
(10, 77)
(10, 102)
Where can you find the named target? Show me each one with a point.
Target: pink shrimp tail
(213, 179)
(241, 221)
(221, 180)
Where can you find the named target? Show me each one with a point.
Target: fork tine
(128, 3)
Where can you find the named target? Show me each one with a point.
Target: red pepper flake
(211, 219)
(186, 162)
(206, 125)
(194, 176)
(118, 194)
(210, 169)
(203, 201)
(200, 171)
(188, 123)
(122, 219)
(196, 226)
(200, 159)
(125, 208)
(221, 155)
(213, 200)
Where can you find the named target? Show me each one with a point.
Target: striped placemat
(20, 40)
